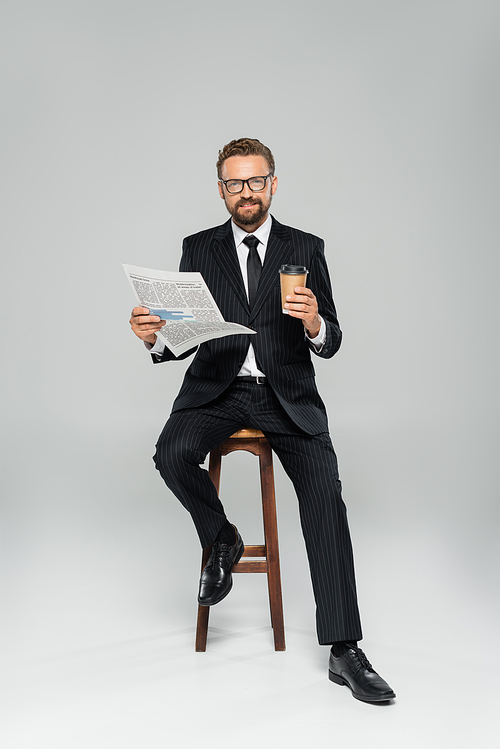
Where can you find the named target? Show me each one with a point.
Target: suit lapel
(224, 252)
(278, 251)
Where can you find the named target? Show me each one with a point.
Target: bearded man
(264, 381)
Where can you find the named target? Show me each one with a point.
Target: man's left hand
(303, 304)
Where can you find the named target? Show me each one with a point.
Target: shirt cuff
(318, 341)
(158, 348)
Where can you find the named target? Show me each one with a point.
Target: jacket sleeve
(167, 355)
(319, 283)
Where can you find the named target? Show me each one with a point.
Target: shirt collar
(262, 233)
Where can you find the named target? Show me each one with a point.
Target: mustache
(248, 201)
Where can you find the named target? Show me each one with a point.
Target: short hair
(245, 147)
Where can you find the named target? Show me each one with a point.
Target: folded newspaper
(184, 301)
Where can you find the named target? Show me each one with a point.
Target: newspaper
(184, 301)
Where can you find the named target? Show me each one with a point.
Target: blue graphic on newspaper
(166, 314)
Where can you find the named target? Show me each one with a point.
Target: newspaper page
(184, 301)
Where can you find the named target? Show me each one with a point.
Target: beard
(247, 218)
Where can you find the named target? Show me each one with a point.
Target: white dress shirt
(262, 233)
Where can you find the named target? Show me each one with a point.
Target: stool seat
(265, 558)
(247, 434)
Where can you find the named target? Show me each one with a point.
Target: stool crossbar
(265, 558)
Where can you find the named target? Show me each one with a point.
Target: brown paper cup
(290, 277)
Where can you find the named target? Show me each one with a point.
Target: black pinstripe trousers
(311, 464)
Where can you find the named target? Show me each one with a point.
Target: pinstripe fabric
(311, 464)
(280, 347)
(212, 405)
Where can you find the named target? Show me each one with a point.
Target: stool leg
(271, 541)
(204, 611)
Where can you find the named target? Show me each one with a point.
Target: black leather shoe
(355, 671)
(216, 579)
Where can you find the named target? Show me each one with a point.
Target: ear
(219, 185)
(274, 185)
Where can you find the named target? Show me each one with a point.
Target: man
(265, 381)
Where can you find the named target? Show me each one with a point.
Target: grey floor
(99, 645)
(153, 690)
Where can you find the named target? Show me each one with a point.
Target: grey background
(383, 117)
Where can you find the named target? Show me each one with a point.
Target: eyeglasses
(256, 184)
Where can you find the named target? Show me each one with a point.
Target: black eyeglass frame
(247, 181)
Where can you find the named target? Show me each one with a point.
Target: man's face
(248, 209)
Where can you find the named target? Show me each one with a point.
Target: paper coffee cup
(290, 277)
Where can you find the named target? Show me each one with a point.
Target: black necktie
(254, 267)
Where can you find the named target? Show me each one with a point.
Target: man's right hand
(145, 325)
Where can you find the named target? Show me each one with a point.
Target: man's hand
(303, 304)
(144, 325)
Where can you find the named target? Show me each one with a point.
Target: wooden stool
(255, 442)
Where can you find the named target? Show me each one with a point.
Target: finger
(298, 313)
(145, 321)
(145, 332)
(142, 322)
(297, 307)
(303, 290)
(140, 311)
(300, 299)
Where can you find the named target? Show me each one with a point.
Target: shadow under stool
(264, 558)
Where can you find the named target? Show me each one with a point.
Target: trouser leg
(311, 464)
(186, 440)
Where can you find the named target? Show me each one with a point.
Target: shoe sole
(214, 603)
(343, 683)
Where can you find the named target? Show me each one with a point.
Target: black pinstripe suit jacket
(281, 349)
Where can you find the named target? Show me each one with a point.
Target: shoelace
(357, 655)
(220, 553)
